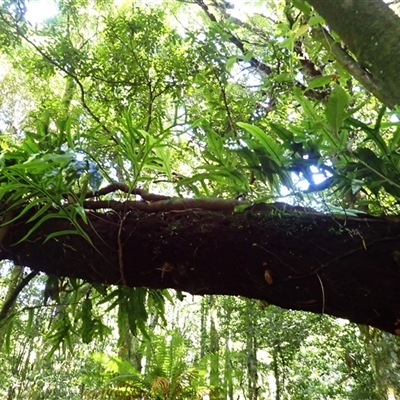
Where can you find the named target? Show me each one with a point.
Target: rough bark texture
(348, 268)
(371, 31)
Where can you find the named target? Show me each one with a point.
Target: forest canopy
(208, 147)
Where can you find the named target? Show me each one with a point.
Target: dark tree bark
(346, 267)
(371, 31)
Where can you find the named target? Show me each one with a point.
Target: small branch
(13, 297)
(173, 204)
(323, 294)
(351, 65)
(258, 65)
(123, 187)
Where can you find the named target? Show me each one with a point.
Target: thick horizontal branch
(314, 262)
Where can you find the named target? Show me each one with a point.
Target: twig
(323, 294)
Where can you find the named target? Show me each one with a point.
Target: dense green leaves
(183, 99)
(42, 174)
(336, 108)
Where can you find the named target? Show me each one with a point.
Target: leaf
(283, 133)
(8, 340)
(315, 20)
(368, 156)
(73, 282)
(51, 290)
(163, 154)
(247, 154)
(302, 6)
(218, 174)
(137, 313)
(287, 43)
(301, 30)
(40, 212)
(356, 185)
(67, 127)
(335, 110)
(318, 82)
(179, 295)
(306, 104)
(60, 334)
(88, 327)
(29, 323)
(372, 134)
(240, 208)
(81, 212)
(231, 60)
(101, 289)
(108, 298)
(284, 77)
(394, 142)
(36, 226)
(274, 150)
(30, 205)
(96, 177)
(247, 57)
(214, 142)
(343, 137)
(61, 233)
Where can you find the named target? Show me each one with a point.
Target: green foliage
(145, 151)
(142, 95)
(336, 108)
(167, 374)
(40, 175)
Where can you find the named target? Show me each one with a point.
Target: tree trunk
(346, 267)
(203, 327)
(228, 375)
(251, 353)
(277, 373)
(15, 279)
(383, 352)
(371, 31)
(129, 349)
(214, 352)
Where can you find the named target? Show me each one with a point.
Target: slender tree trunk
(383, 352)
(22, 366)
(251, 352)
(204, 308)
(228, 371)
(15, 278)
(129, 349)
(228, 366)
(214, 351)
(277, 375)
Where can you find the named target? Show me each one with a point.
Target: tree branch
(347, 267)
(4, 312)
(351, 65)
(256, 64)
